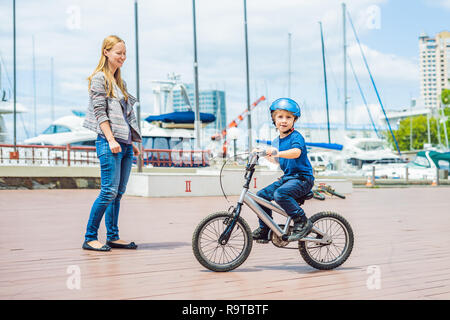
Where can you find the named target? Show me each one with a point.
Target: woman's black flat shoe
(86, 246)
(130, 245)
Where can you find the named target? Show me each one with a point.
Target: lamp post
(197, 121)
(233, 134)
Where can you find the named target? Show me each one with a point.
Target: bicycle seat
(307, 196)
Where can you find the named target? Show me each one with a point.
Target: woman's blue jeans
(285, 191)
(115, 170)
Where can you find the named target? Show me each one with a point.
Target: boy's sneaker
(302, 226)
(261, 235)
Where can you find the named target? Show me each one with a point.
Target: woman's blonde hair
(103, 66)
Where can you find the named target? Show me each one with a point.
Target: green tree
(419, 129)
(445, 97)
(419, 132)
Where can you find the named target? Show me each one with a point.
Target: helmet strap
(289, 131)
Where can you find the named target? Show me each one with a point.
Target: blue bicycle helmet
(286, 104)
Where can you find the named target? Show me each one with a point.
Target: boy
(298, 177)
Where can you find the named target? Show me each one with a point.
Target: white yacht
(423, 166)
(359, 152)
(358, 157)
(65, 130)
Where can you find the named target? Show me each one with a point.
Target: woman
(111, 115)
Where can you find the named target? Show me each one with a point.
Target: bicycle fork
(225, 236)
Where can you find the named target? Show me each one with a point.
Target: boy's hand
(271, 152)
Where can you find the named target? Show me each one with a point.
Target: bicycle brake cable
(220, 174)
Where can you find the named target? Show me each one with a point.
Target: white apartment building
(434, 67)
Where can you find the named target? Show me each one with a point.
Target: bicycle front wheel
(215, 256)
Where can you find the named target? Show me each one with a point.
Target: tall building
(434, 67)
(210, 101)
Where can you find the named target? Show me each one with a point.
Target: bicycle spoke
(329, 253)
(221, 254)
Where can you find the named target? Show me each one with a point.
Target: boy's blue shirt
(300, 165)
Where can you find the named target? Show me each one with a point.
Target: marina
(399, 252)
(190, 140)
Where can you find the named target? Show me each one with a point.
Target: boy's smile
(284, 121)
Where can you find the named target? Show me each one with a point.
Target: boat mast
(373, 83)
(249, 117)
(34, 89)
(438, 123)
(138, 103)
(52, 95)
(345, 64)
(410, 125)
(289, 64)
(325, 80)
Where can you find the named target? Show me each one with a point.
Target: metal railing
(37, 155)
(176, 158)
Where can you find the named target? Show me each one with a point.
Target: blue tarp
(332, 146)
(182, 117)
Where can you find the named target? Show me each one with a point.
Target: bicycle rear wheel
(215, 256)
(331, 255)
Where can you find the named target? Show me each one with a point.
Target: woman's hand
(136, 151)
(114, 146)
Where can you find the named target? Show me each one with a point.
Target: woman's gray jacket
(103, 108)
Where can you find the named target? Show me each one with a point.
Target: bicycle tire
(207, 258)
(318, 263)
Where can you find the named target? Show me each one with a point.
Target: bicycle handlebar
(254, 156)
(264, 153)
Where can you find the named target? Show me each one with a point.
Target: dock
(400, 251)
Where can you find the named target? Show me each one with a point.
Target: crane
(235, 123)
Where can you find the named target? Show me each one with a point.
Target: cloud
(385, 66)
(439, 3)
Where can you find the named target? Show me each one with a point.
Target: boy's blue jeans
(284, 191)
(115, 170)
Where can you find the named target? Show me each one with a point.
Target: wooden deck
(403, 232)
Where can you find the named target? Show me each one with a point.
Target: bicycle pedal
(262, 241)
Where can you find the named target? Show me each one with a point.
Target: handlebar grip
(264, 153)
(261, 153)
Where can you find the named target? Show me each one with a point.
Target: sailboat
(6, 107)
(358, 152)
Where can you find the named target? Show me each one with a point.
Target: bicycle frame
(254, 203)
